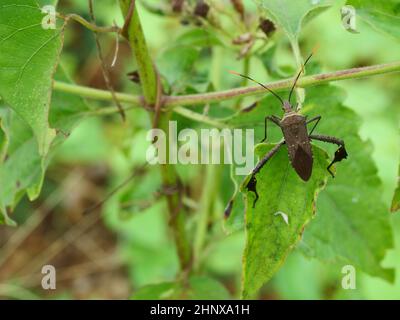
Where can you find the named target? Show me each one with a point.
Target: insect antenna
(301, 71)
(265, 87)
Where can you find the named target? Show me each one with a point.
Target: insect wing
(303, 163)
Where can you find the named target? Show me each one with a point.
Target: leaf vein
(35, 53)
(18, 30)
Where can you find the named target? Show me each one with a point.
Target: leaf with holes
(276, 223)
(22, 167)
(290, 15)
(29, 55)
(352, 225)
(359, 210)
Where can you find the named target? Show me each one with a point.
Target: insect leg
(275, 120)
(340, 153)
(251, 185)
(317, 118)
(328, 139)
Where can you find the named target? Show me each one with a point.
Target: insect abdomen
(294, 130)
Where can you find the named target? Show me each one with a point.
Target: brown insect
(296, 137)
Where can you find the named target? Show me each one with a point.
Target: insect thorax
(293, 119)
(294, 128)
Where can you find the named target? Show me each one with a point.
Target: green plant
(345, 220)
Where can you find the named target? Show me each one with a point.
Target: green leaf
(198, 38)
(234, 213)
(159, 291)
(274, 70)
(22, 169)
(396, 198)
(381, 15)
(176, 64)
(67, 110)
(28, 59)
(367, 213)
(185, 63)
(269, 238)
(197, 288)
(290, 15)
(352, 225)
(234, 200)
(254, 119)
(206, 288)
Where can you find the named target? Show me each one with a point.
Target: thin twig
(116, 49)
(104, 69)
(89, 25)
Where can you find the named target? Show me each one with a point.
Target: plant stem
(246, 70)
(189, 114)
(147, 72)
(96, 94)
(282, 85)
(210, 189)
(175, 204)
(203, 98)
(216, 62)
(297, 54)
(171, 182)
(91, 26)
